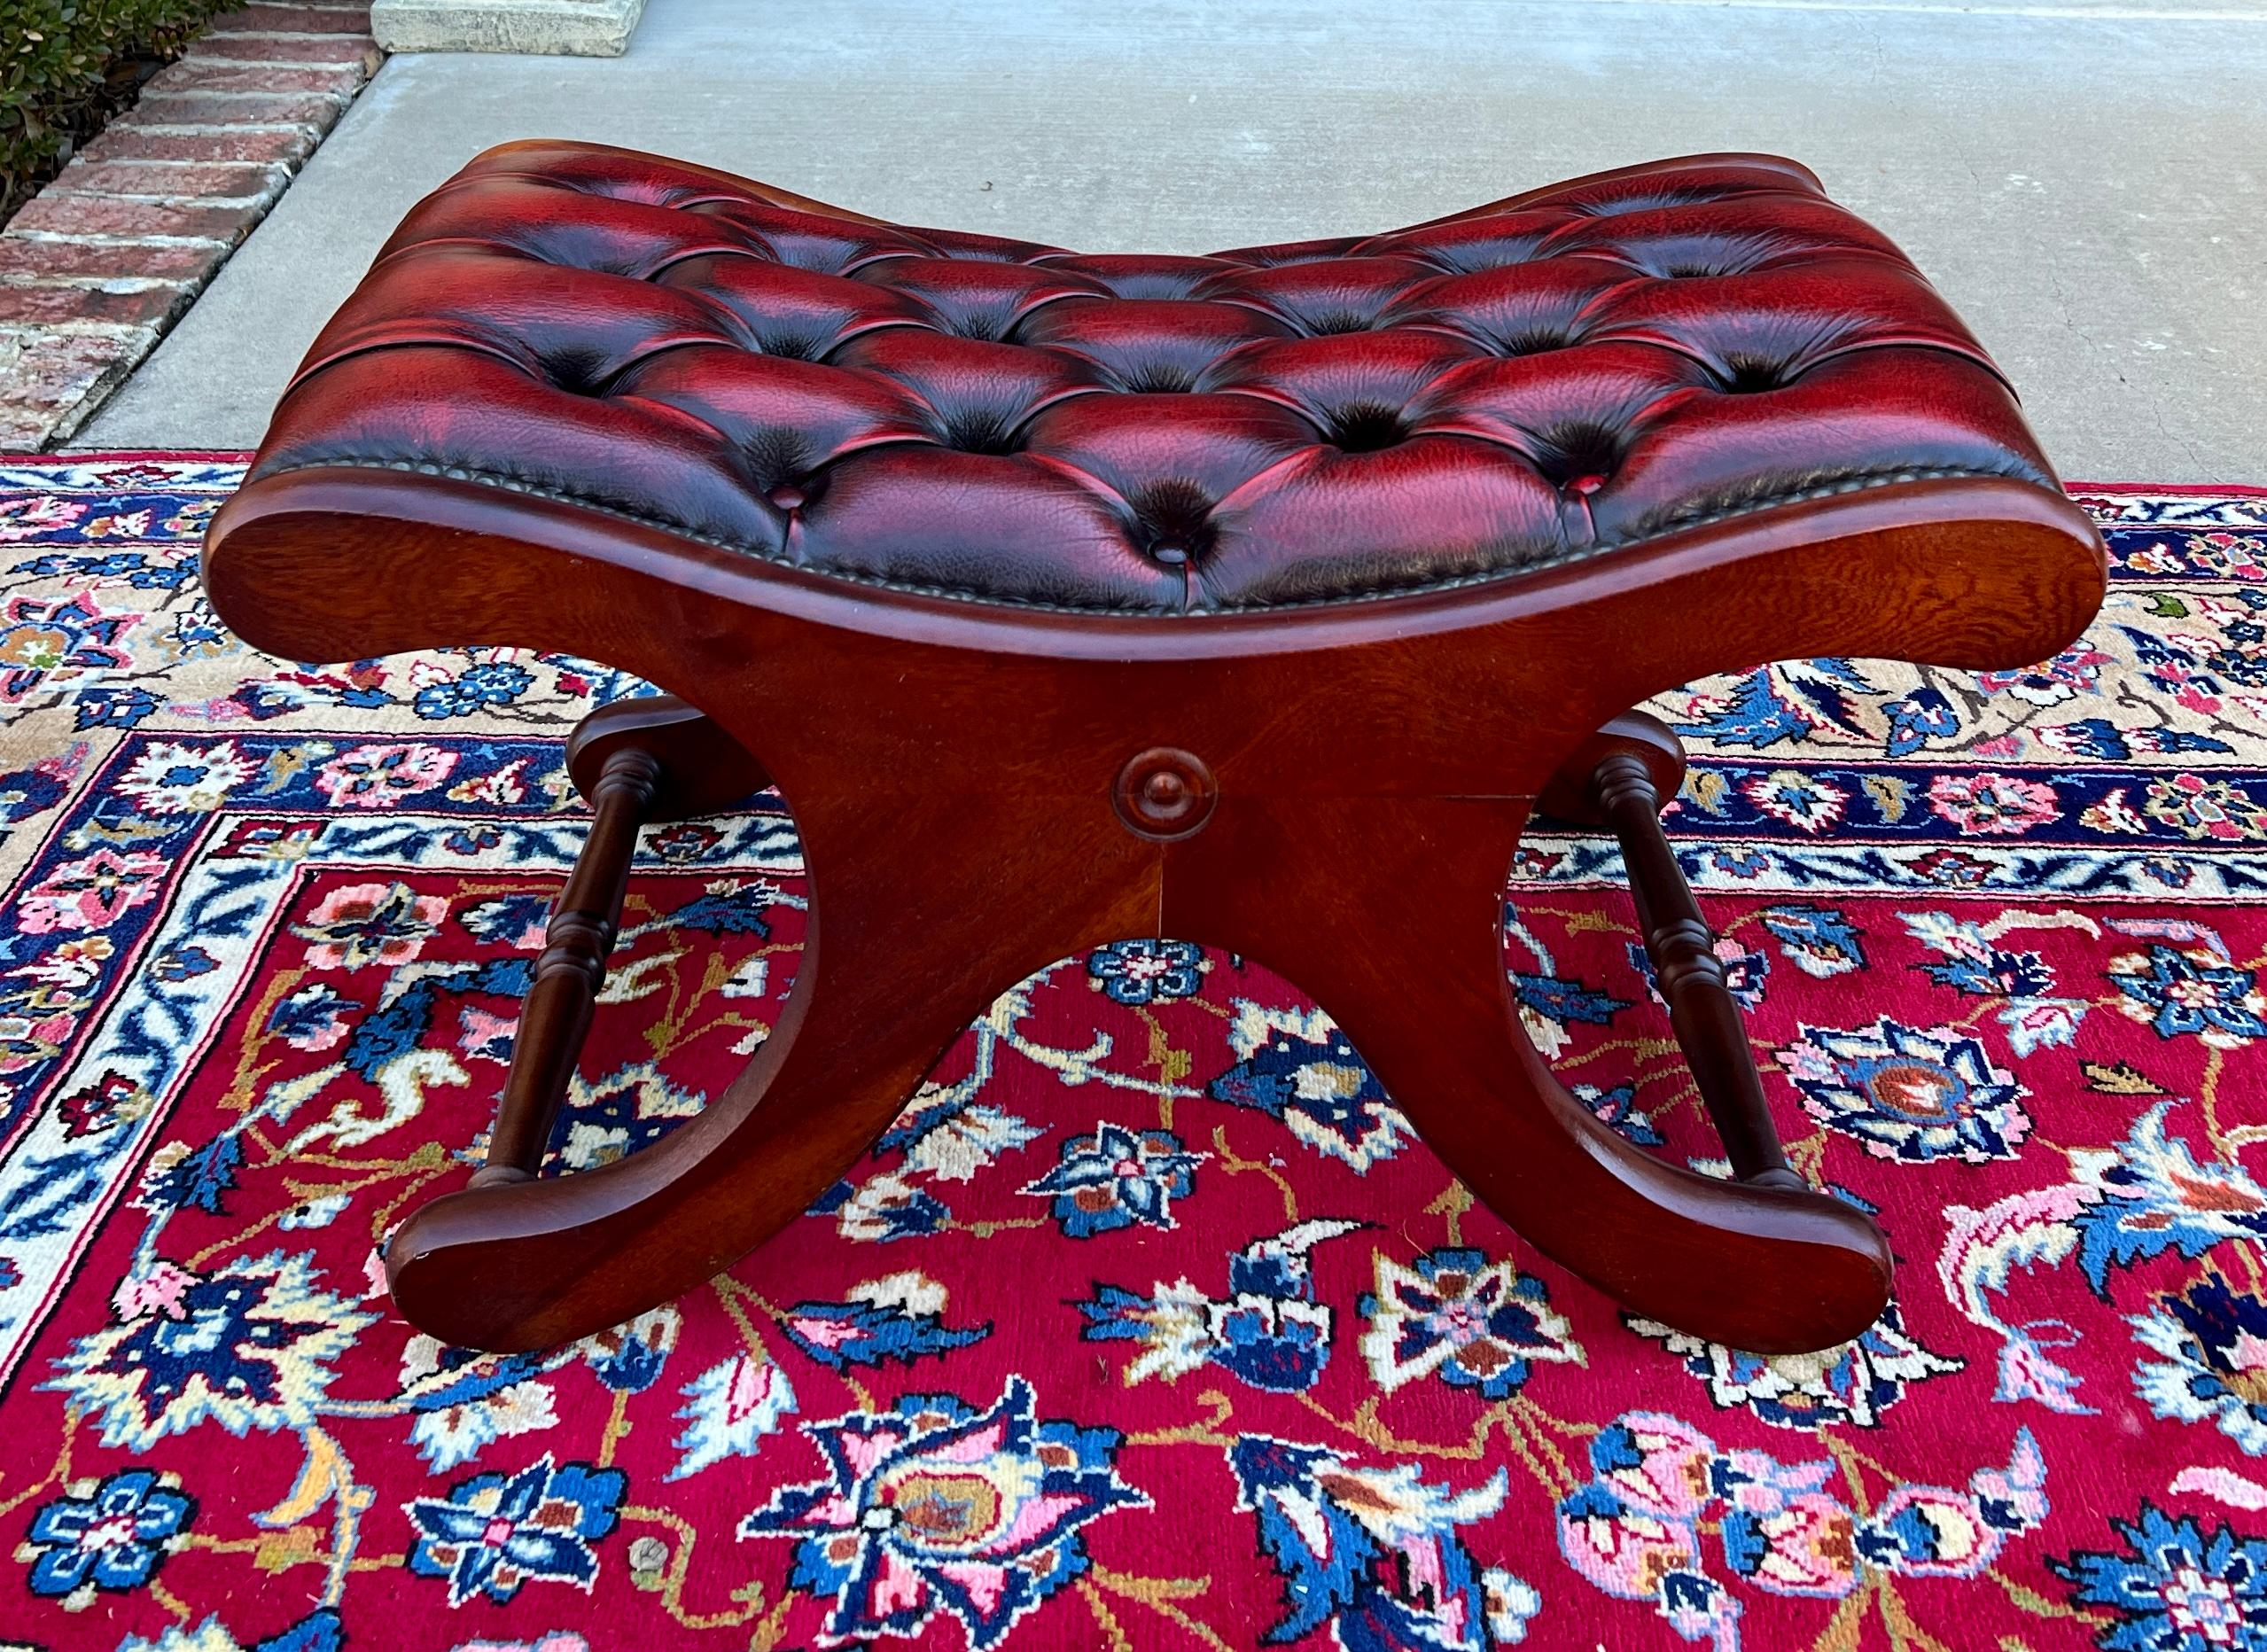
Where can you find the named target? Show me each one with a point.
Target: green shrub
(65, 64)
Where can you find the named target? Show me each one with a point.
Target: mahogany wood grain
(953, 769)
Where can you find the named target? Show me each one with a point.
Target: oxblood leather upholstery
(1563, 374)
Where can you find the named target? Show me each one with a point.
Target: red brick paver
(96, 267)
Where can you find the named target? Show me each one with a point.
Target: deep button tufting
(1746, 376)
(1685, 186)
(1798, 317)
(786, 311)
(533, 315)
(823, 246)
(1364, 427)
(1137, 274)
(1175, 518)
(784, 420)
(1517, 310)
(1341, 383)
(1577, 456)
(1335, 295)
(1157, 454)
(1149, 346)
(1471, 245)
(1795, 226)
(556, 226)
(1559, 373)
(977, 394)
(978, 299)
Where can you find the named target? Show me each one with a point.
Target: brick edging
(96, 267)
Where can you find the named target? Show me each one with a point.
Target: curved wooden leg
(922, 911)
(1388, 911)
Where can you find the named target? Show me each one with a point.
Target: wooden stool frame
(1335, 791)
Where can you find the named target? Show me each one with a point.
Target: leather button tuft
(1160, 381)
(981, 432)
(1535, 343)
(1174, 519)
(1577, 458)
(1748, 376)
(787, 496)
(1365, 427)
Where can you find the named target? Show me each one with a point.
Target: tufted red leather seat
(1560, 375)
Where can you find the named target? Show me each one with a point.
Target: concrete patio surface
(2085, 181)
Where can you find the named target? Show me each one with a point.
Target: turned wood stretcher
(1254, 600)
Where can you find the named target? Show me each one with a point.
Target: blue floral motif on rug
(1150, 1323)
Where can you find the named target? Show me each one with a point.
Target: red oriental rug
(1150, 1325)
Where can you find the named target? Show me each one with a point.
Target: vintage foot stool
(1251, 599)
